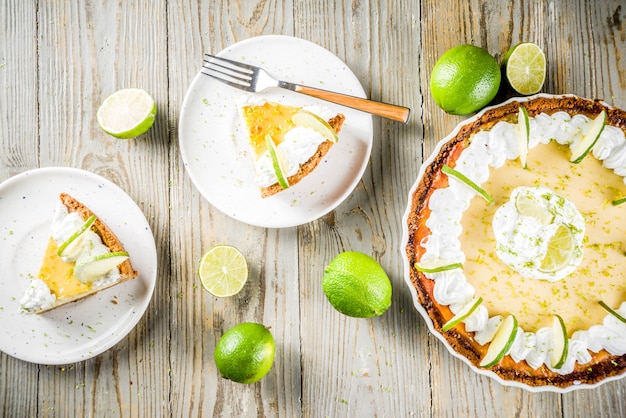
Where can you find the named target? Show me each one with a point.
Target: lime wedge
(307, 119)
(525, 68)
(589, 139)
(223, 271)
(463, 314)
(436, 268)
(460, 176)
(523, 126)
(501, 343)
(560, 250)
(612, 311)
(618, 201)
(528, 205)
(276, 162)
(127, 113)
(93, 268)
(559, 343)
(71, 246)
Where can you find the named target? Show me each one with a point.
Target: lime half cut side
(127, 113)
(223, 271)
(525, 68)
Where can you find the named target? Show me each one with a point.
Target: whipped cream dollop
(64, 225)
(491, 149)
(522, 238)
(299, 144)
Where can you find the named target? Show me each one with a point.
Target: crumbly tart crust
(603, 364)
(108, 238)
(305, 169)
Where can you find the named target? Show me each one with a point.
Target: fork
(255, 79)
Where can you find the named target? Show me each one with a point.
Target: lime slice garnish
(525, 68)
(93, 268)
(528, 205)
(460, 176)
(463, 314)
(436, 268)
(612, 311)
(127, 113)
(223, 271)
(71, 246)
(589, 139)
(501, 343)
(307, 119)
(559, 343)
(560, 250)
(619, 201)
(523, 126)
(277, 163)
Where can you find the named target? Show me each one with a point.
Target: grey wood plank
(19, 142)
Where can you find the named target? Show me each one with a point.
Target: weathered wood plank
(19, 142)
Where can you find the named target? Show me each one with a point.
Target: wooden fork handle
(389, 111)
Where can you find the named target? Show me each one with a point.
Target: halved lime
(307, 119)
(501, 343)
(277, 163)
(528, 204)
(127, 113)
(560, 250)
(589, 139)
(223, 271)
(525, 68)
(460, 176)
(559, 343)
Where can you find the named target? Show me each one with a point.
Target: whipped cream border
(493, 322)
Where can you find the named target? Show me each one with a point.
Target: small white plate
(214, 146)
(83, 329)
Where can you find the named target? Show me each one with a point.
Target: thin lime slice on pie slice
(463, 314)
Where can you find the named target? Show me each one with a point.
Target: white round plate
(214, 146)
(83, 329)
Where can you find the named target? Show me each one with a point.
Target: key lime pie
(287, 142)
(82, 257)
(516, 241)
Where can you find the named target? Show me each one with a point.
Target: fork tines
(230, 72)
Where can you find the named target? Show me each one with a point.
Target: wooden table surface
(59, 60)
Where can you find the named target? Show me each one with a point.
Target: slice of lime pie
(287, 142)
(82, 257)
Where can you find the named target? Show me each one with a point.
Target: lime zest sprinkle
(460, 176)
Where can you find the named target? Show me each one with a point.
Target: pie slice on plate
(82, 257)
(287, 142)
(515, 242)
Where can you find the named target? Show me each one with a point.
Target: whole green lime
(465, 79)
(356, 285)
(245, 353)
